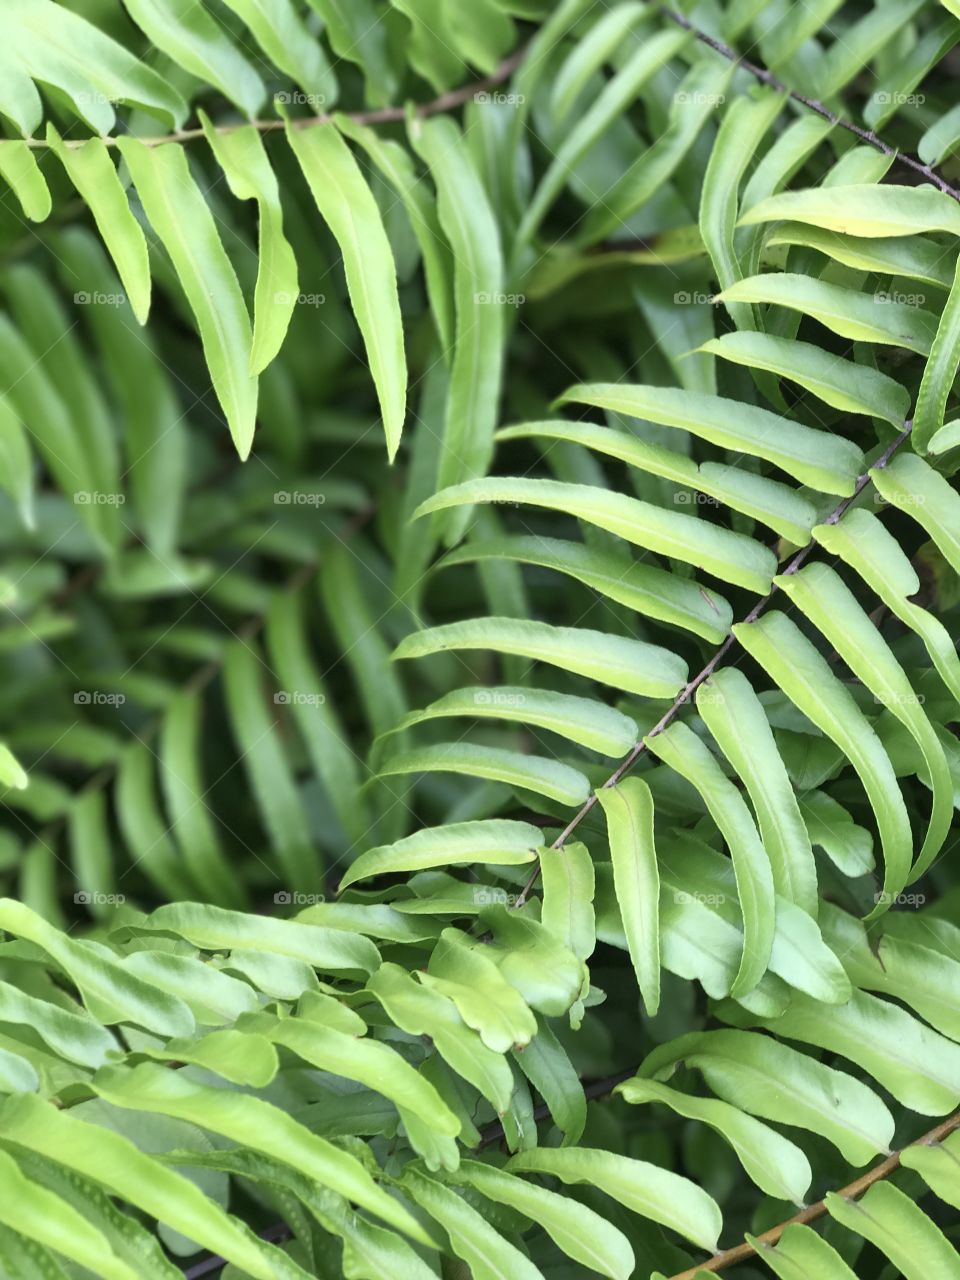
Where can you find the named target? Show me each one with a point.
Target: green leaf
(251, 1122)
(683, 751)
(899, 1229)
(113, 1161)
(938, 1166)
(534, 773)
(173, 202)
(399, 170)
(919, 1067)
(631, 665)
(57, 47)
(496, 841)
(862, 210)
(109, 990)
(826, 600)
(915, 258)
(863, 542)
(242, 156)
(349, 209)
(807, 679)
(736, 718)
(484, 999)
(628, 807)
(270, 775)
(478, 278)
(801, 1255)
(196, 41)
(827, 463)
(854, 388)
(375, 1065)
(939, 373)
(582, 720)
(420, 1011)
(653, 1193)
(488, 1255)
(771, 501)
(589, 55)
(91, 171)
(913, 486)
(284, 37)
(730, 556)
(744, 125)
(647, 590)
(216, 929)
(581, 1233)
(19, 168)
(611, 102)
(44, 1217)
(862, 317)
(546, 1065)
(756, 1073)
(566, 908)
(777, 1166)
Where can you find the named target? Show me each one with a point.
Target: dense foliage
(479, 586)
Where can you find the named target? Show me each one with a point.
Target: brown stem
(853, 1190)
(449, 101)
(691, 686)
(768, 78)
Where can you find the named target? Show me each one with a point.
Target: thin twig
(855, 1189)
(449, 101)
(683, 697)
(812, 104)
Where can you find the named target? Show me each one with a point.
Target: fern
(503, 827)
